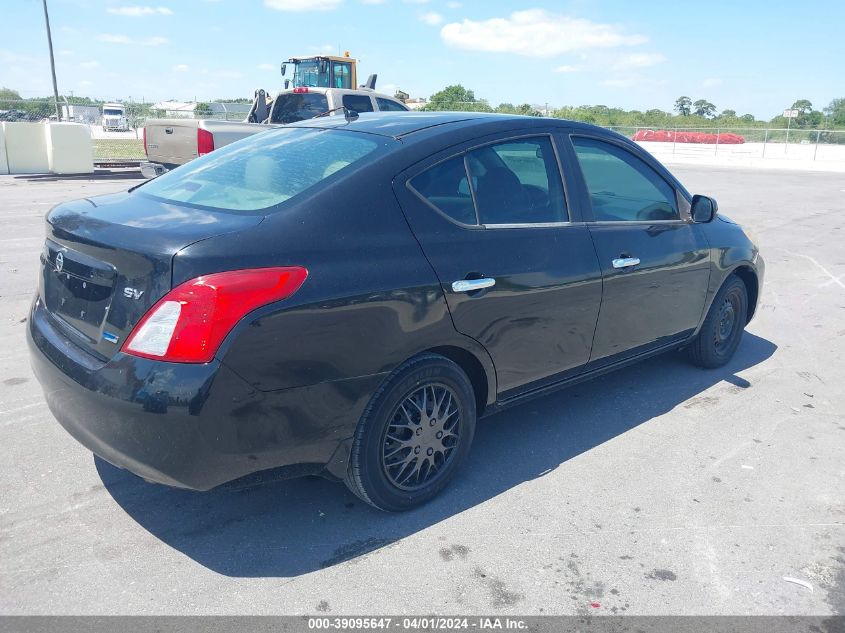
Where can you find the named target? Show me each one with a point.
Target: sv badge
(132, 293)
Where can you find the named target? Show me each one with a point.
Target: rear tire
(723, 326)
(414, 434)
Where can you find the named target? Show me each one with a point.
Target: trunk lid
(171, 141)
(107, 260)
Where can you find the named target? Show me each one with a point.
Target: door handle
(625, 262)
(471, 285)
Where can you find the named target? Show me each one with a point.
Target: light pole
(52, 62)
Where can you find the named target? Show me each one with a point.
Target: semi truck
(114, 117)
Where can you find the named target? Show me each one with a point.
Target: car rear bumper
(184, 425)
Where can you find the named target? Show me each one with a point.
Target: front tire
(723, 326)
(414, 434)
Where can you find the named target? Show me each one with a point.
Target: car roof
(401, 124)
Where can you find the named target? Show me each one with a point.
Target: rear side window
(386, 105)
(621, 186)
(445, 187)
(518, 182)
(264, 170)
(290, 108)
(359, 103)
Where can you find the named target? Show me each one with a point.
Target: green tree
(8, 93)
(836, 113)
(525, 109)
(457, 97)
(803, 106)
(728, 114)
(683, 105)
(704, 108)
(202, 110)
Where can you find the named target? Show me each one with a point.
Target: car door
(655, 261)
(519, 273)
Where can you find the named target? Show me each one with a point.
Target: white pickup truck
(169, 143)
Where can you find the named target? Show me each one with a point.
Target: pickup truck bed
(172, 142)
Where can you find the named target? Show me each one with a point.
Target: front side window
(386, 105)
(445, 187)
(518, 182)
(621, 186)
(359, 103)
(264, 170)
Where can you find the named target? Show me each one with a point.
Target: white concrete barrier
(69, 148)
(4, 164)
(26, 148)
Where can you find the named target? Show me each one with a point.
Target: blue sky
(750, 56)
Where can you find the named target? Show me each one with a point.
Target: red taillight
(146, 153)
(205, 142)
(190, 322)
(299, 91)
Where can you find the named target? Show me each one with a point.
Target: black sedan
(346, 297)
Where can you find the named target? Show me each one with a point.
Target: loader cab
(324, 71)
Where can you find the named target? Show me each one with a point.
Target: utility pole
(52, 63)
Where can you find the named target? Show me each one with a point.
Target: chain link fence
(781, 143)
(123, 144)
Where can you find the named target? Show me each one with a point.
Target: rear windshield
(264, 170)
(293, 107)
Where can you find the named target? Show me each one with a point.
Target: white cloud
(712, 82)
(535, 33)
(93, 63)
(85, 83)
(566, 68)
(373, 1)
(266, 67)
(454, 5)
(415, 1)
(303, 5)
(137, 12)
(638, 60)
(432, 18)
(111, 38)
(65, 52)
(181, 68)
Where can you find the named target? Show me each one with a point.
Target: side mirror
(287, 83)
(284, 69)
(704, 209)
